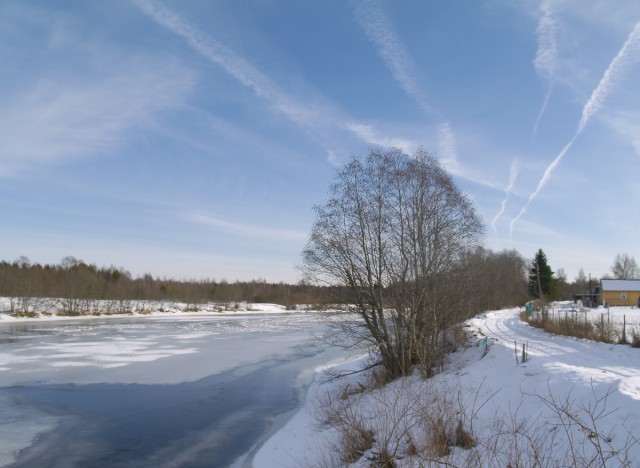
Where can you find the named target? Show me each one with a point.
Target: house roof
(620, 285)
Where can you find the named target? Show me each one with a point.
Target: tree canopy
(541, 280)
(394, 230)
(625, 267)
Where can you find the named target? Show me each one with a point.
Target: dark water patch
(209, 422)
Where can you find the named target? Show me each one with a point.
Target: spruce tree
(541, 277)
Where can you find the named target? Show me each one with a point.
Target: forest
(491, 280)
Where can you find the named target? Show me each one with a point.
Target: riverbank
(44, 309)
(569, 402)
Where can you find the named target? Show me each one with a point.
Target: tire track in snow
(618, 364)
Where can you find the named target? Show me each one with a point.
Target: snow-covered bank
(29, 309)
(571, 401)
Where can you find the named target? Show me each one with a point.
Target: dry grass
(399, 421)
(576, 326)
(420, 423)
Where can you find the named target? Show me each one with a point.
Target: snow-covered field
(569, 396)
(516, 406)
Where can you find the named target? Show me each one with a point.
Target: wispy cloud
(627, 55)
(58, 120)
(369, 134)
(232, 63)
(513, 175)
(626, 124)
(315, 119)
(379, 30)
(447, 143)
(243, 229)
(546, 59)
(373, 20)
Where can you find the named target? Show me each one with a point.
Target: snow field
(573, 402)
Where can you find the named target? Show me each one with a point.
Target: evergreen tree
(541, 277)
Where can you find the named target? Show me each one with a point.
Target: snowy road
(598, 383)
(569, 358)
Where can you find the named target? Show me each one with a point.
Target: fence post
(516, 349)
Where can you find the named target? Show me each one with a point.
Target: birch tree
(393, 230)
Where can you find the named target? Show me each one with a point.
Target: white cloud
(546, 59)
(447, 144)
(371, 17)
(626, 124)
(316, 118)
(58, 120)
(231, 62)
(243, 229)
(332, 158)
(370, 135)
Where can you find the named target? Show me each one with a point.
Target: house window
(623, 296)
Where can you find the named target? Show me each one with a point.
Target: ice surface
(154, 388)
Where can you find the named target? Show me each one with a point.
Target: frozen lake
(153, 391)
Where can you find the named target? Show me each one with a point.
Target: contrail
(547, 53)
(310, 118)
(545, 103)
(542, 183)
(378, 30)
(513, 175)
(627, 55)
(447, 140)
(236, 66)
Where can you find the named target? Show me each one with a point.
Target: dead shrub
(463, 438)
(355, 441)
(439, 438)
(567, 326)
(460, 337)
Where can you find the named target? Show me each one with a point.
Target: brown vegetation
(411, 423)
(406, 242)
(576, 325)
(77, 283)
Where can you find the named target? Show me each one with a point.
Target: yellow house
(621, 292)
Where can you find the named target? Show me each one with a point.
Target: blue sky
(192, 139)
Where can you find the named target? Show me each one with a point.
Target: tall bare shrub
(394, 231)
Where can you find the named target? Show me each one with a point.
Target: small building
(616, 292)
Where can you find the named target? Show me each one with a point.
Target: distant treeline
(75, 279)
(487, 280)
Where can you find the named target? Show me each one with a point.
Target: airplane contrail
(513, 175)
(629, 53)
(547, 54)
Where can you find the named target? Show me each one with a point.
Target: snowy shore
(54, 309)
(498, 391)
(495, 388)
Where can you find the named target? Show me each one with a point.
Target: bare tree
(625, 267)
(394, 231)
